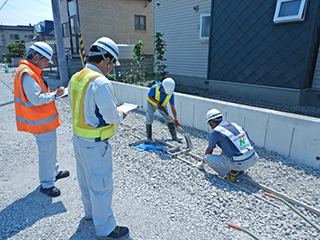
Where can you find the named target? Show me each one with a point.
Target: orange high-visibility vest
(31, 118)
(157, 97)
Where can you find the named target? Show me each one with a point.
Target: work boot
(149, 134)
(117, 233)
(234, 176)
(62, 174)
(172, 130)
(52, 192)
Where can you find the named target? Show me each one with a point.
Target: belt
(242, 157)
(99, 140)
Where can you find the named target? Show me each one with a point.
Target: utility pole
(60, 43)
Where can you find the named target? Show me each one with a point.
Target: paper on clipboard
(127, 107)
(64, 95)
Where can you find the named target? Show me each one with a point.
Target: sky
(24, 12)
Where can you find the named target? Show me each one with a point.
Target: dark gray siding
(247, 47)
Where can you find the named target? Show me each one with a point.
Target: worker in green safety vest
(95, 117)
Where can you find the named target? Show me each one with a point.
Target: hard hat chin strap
(102, 52)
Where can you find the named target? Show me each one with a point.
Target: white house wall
(186, 53)
(293, 136)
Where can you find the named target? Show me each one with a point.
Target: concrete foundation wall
(293, 136)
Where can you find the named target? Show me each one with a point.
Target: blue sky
(23, 12)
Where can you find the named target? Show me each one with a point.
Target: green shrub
(16, 49)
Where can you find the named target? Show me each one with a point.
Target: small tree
(16, 49)
(160, 49)
(138, 58)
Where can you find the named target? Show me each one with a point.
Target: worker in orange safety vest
(37, 114)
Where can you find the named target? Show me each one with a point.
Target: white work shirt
(100, 93)
(32, 91)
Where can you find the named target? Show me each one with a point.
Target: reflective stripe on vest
(157, 97)
(240, 141)
(78, 87)
(31, 118)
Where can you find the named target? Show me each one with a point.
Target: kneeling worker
(238, 152)
(159, 96)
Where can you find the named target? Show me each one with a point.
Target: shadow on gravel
(26, 211)
(228, 187)
(86, 230)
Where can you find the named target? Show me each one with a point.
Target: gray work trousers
(223, 164)
(151, 109)
(48, 164)
(94, 172)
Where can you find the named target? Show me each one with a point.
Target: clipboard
(64, 95)
(127, 107)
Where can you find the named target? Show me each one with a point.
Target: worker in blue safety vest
(160, 94)
(238, 152)
(95, 118)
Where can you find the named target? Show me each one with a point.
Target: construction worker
(95, 118)
(238, 152)
(160, 94)
(36, 113)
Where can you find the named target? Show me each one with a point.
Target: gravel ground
(156, 196)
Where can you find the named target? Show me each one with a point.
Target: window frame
(293, 18)
(201, 37)
(14, 37)
(66, 29)
(145, 23)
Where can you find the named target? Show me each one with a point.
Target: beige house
(121, 20)
(10, 33)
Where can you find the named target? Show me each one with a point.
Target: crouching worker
(238, 152)
(159, 96)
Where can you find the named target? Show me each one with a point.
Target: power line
(18, 16)
(22, 12)
(4, 4)
(42, 3)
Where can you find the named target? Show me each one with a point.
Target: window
(28, 36)
(205, 26)
(289, 11)
(14, 37)
(72, 7)
(140, 22)
(73, 25)
(65, 29)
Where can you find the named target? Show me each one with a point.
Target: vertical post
(60, 43)
(83, 54)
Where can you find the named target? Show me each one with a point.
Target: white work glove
(200, 165)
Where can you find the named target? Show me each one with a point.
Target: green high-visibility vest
(78, 87)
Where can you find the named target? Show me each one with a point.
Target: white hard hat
(213, 114)
(43, 49)
(107, 45)
(168, 85)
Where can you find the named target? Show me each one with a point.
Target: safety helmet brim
(43, 49)
(168, 85)
(109, 46)
(213, 114)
